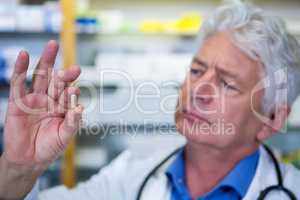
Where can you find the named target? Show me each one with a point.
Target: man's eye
(227, 85)
(195, 71)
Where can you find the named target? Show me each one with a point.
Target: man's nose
(204, 90)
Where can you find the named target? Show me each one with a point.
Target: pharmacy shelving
(292, 26)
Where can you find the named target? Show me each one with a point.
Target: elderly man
(238, 92)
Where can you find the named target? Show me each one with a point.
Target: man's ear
(277, 120)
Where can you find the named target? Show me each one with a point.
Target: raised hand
(40, 121)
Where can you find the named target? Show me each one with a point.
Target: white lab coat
(121, 180)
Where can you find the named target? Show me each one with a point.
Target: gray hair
(265, 39)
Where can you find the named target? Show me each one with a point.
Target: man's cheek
(183, 97)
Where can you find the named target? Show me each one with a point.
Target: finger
(17, 82)
(66, 100)
(70, 125)
(56, 86)
(70, 74)
(60, 79)
(44, 68)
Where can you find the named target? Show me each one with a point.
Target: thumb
(70, 125)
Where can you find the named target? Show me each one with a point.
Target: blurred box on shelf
(30, 18)
(111, 21)
(157, 67)
(53, 17)
(189, 23)
(3, 68)
(7, 15)
(87, 25)
(26, 15)
(91, 157)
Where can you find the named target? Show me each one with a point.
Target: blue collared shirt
(233, 187)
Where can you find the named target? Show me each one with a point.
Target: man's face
(214, 106)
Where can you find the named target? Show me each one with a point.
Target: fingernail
(22, 53)
(21, 56)
(52, 42)
(52, 45)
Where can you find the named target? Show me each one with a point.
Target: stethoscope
(262, 195)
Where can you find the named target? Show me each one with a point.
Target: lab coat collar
(264, 177)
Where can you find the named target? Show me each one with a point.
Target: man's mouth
(192, 116)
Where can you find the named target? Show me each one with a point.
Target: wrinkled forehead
(219, 50)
